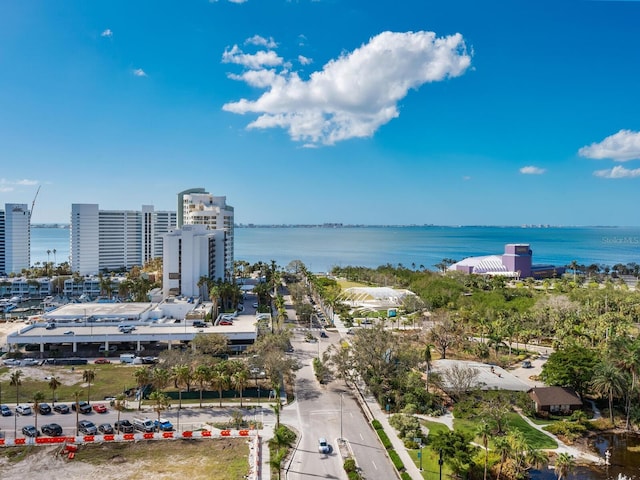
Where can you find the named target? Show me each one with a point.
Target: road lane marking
(374, 464)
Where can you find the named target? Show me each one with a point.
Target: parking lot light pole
(341, 416)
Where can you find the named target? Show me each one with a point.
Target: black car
(86, 427)
(324, 335)
(105, 428)
(29, 431)
(44, 409)
(123, 426)
(83, 407)
(52, 429)
(61, 408)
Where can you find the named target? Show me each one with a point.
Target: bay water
(321, 248)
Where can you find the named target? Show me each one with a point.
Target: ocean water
(320, 249)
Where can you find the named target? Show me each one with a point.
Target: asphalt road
(329, 411)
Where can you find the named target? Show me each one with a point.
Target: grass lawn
(536, 438)
(430, 467)
(344, 284)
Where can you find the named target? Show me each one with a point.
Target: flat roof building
(15, 238)
(116, 239)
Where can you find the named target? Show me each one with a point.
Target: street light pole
(440, 462)
(341, 416)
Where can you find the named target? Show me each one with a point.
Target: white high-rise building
(198, 207)
(15, 238)
(190, 253)
(116, 239)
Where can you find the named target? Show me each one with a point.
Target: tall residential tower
(15, 238)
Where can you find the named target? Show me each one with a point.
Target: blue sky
(405, 112)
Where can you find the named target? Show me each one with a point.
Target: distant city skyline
(312, 112)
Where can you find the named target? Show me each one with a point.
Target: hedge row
(393, 455)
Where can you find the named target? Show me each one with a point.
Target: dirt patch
(225, 459)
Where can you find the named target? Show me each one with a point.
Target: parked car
(112, 348)
(30, 431)
(52, 429)
(5, 411)
(105, 428)
(99, 408)
(86, 427)
(44, 409)
(200, 324)
(526, 364)
(163, 425)
(23, 409)
(323, 335)
(225, 322)
(11, 362)
(101, 361)
(82, 407)
(69, 332)
(323, 446)
(61, 408)
(255, 305)
(123, 426)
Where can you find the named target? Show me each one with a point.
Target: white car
(23, 409)
(323, 445)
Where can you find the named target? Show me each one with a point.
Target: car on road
(44, 409)
(99, 408)
(69, 332)
(30, 431)
(323, 335)
(52, 429)
(323, 445)
(61, 408)
(5, 411)
(255, 305)
(526, 364)
(86, 427)
(23, 409)
(163, 425)
(105, 428)
(123, 426)
(82, 407)
(101, 361)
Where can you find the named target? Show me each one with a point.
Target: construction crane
(33, 204)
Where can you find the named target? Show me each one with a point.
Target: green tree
(119, 406)
(202, 375)
(608, 381)
(572, 366)
(239, 379)
(54, 383)
(565, 464)
(220, 379)
(89, 376)
(484, 432)
(456, 449)
(15, 380)
(182, 375)
(143, 377)
(160, 404)
(38, 398)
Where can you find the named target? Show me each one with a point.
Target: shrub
(376, 425)
(350, 465)
(395, 458)
(405, 476)
(386, 443)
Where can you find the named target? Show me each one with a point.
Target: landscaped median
(393, 455)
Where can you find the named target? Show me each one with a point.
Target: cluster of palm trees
(217, 375)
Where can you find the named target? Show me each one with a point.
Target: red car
(99, 408)
(99, 361)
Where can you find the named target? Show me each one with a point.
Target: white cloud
(531, 170)
(26, 181)
(238, 1)
(304, 60)
(9, 185)
(355, 94)
(107, 33)
(620, 147)
(618, 172)
(267, 58)
(138, 72)
(261, 41)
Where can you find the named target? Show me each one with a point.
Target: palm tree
(239, 380)
(202, 375)
(89, 376)
(182, 376)
(38, 397)
(220, 378)
(503, 448)
(16, 381)
(54, 383)
(119, 405)
(160, 403)
(565, 464)
(484, 432)
(428, 358)
(608, 380)
(142, 377)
